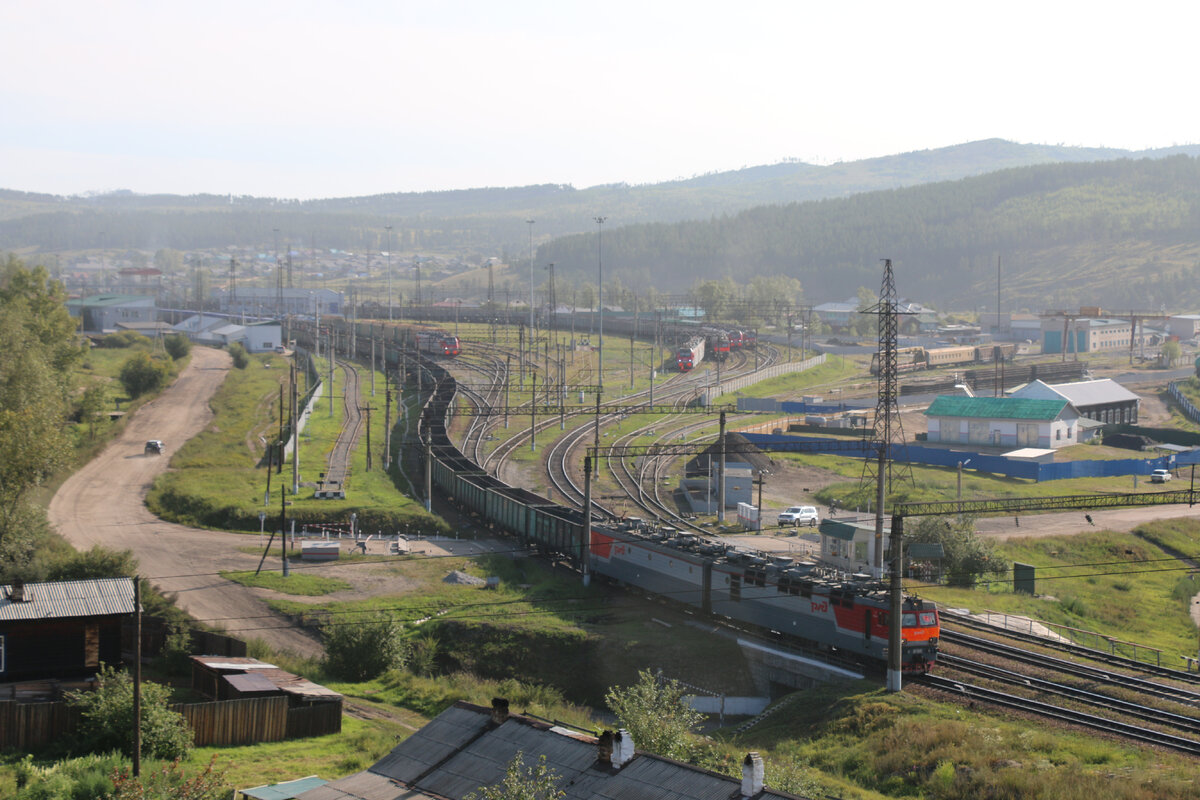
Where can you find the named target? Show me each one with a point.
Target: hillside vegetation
(1119, 233)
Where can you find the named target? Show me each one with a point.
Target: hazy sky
(321, 99)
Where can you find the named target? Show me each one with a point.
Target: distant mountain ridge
(563, 209)
(1094, 226)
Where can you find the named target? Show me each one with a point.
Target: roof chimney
(752, 774)
(622, 749)
(499, 710)
(16, 592)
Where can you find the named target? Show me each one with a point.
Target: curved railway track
(338, 465)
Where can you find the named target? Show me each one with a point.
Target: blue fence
(997, 465)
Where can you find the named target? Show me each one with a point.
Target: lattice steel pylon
(888, 431)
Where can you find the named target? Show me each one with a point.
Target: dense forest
(1121, 234)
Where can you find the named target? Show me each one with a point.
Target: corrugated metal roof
(361, 786)
(281, 679)
(1097, 392)
(97, 597)
(284, 791)
(995, 407)
(250, 682)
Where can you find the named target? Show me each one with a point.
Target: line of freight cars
(814, 606)
(909, 359)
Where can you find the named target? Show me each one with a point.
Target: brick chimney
(622, 749)
(499, 710)
(16, 592)
(752, 775)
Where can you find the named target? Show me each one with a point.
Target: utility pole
(137, 674)
(532, 411)
(387, 421)
(585, 544)
(721, 478)
(507, 372)
(368, 410)
(295, 432)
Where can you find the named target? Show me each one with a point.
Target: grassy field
(1121, 585)
(299, 583)
(219, 479)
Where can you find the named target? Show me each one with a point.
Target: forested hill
(486, 221)
(1120, 234)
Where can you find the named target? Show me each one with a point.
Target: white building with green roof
(1004, 422)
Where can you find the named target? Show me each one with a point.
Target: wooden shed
(63, 629)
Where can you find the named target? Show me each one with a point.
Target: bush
(177, 345)
(84, 778)
(141, 374)
(240, 359)
(359, 649)
(106, 718)
(124, 339)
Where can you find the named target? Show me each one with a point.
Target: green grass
(940, 483)
(219, 478)
(1120, 585)
(297, 583)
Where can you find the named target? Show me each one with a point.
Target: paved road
(104, 503)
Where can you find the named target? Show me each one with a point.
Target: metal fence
(766, 373)
(1189, 408)
(982, 462)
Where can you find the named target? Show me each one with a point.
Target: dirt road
(103, 503)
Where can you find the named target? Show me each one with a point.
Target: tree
(177, 345)
(966, 555)
(1171, 352)
(106, 717)
(168, 260)
(362, 649)
(34, 442)
(141, 374)
(538, 782)
(92, 403)
(653, 712)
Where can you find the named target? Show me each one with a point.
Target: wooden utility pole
(137, 675)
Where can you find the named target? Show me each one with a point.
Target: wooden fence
(28, 726)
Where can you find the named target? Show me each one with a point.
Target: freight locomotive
(812, 606)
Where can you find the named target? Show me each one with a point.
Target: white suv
(1160, 476)
(799, 515)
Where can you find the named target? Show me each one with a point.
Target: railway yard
(516, 429)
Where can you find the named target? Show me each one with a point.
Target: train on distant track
(909, 359)
(815, 607)
(438, 343)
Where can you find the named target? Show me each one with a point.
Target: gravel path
(104, 503)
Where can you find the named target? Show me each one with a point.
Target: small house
(62, 629)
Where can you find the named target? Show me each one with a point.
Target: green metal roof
(926, 550)
(995, 407)
(846, 530)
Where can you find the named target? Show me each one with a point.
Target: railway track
(1135, 733)
(338, 465)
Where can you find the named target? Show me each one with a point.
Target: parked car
(799, 515)
(1160, 476)
(154, 447)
